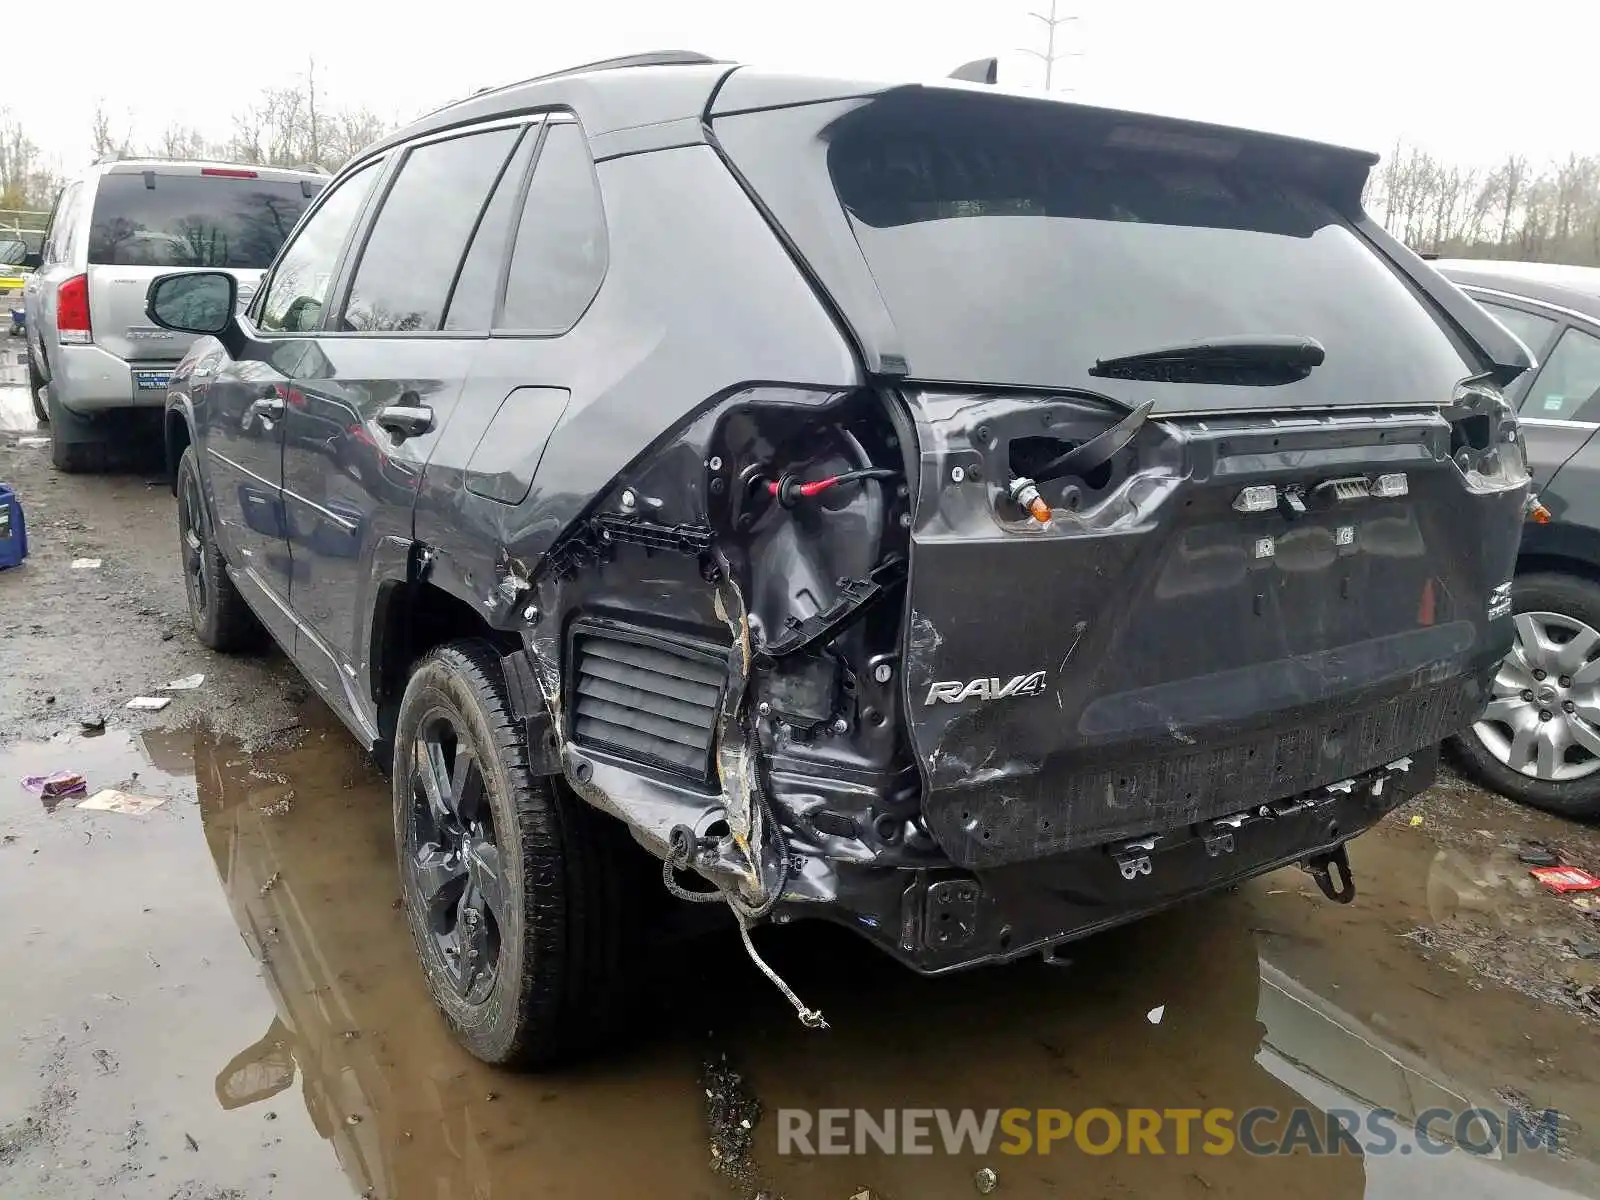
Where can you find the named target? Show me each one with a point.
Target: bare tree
(1511, 211)
(25, 181)
(180, 141)
(105, 142)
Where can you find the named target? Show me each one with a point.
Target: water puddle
(217, 1000)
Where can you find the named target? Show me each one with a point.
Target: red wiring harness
(790, 490)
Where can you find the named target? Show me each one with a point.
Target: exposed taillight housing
(1486, 440)
(72, 312)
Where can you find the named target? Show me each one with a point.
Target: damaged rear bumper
(938, 920)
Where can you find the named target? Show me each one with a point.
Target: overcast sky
(1469, 80)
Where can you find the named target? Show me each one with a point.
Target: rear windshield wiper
(1253, 360)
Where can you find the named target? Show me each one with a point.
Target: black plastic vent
(647, 697)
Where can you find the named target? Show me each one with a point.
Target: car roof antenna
(979, 70)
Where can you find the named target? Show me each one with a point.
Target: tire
(35, 386)
(548, 978)
(1566, 782)
(71, 457)
(221, 618)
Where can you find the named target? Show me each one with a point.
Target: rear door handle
(405, 420)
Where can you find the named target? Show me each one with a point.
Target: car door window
(559, 255)
(1566, 387)
(1534, 330)
(304, 274)
(417, 242)
(55, 245)
(473, 298)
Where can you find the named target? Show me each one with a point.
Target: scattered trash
(186, 684)
(111, 800)
(1587, 950)
(1587, 904)
(353, 1119)
(1537, 854)
(1588, 998)
(272, 882)
(92, 726)
(86, 564)
(149, 703)
(1566, 879)
(190, 1142)
(107, 1062)
(1416, 820)
(57, 785)
(986, 1180)
(32, 443)
(1155, 1014)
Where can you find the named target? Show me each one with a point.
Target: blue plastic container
(13, 530)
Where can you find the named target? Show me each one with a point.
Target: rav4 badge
(957, 691)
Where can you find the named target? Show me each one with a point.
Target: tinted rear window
(1014, 244)
(193, 220)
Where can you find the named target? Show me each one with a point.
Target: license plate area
(151, 381)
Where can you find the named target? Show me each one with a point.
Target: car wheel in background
(515, 891)
(1539, 739)
(36, 391)
(222, 619)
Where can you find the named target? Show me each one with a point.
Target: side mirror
(192, 301)
(32, 261)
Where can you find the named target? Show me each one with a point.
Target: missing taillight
(1485, 442)
(72, 312)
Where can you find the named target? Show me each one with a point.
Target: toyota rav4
(969, 517)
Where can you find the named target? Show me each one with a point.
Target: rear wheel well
(413, 618)
(176, 438)
(1558, 564)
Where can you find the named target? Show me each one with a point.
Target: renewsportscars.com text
(1159, 1131)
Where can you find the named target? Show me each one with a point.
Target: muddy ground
(217, 1000)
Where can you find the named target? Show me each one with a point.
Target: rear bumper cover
(88, 379)
(946, 919)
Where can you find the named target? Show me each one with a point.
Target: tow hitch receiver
(1322, 867)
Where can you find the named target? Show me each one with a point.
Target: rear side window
(473, 298)
(59, 242)
(1533, 329)
(416, 244)
(559, 256)
(155, 220)
(1566, 387)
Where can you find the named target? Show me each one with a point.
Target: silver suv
(93, 356)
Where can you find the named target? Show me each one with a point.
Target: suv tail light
(72, 312)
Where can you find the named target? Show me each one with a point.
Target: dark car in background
(1539, 740)
(969, 517)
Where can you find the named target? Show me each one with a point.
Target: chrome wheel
(452, 864)
(1544, 718)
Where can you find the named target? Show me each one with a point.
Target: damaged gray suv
(968, 517)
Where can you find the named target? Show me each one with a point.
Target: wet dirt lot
(216, 1000)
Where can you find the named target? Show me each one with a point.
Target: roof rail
(653, 58)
